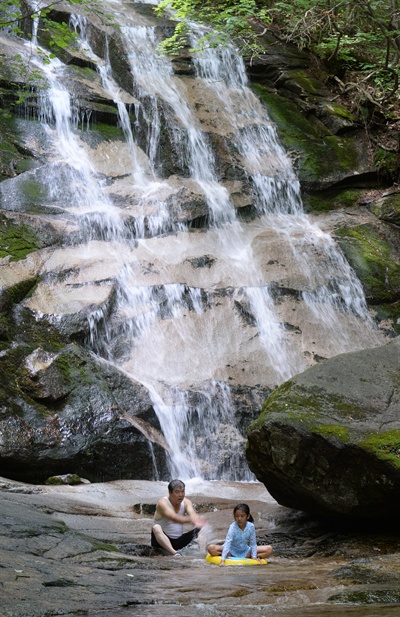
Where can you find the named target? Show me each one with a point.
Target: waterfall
(332, 287)
(198, 311)
(71, 177)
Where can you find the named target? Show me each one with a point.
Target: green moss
(73, 480)
(388, 209)
(388, 163)
(24, 165)
(35, 333)
(102, 546)
(239, 593)
(12, 394)
(330, 200)
(21, 290)
(338, 110)
(33, 190)
(309, 84)
(17, 241)
(317, 152)
(335, 431)
(346, 156)
(65, 364)
(371, 258)
(83, 72)
(296, 400)
(385, 446)
(309, 408)
(377, 596)
(102, 108)
(289, 117)
(101, 131)
(11, 159)
(54, 481)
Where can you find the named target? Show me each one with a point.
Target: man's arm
(195, 519)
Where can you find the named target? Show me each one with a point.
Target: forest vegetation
(355, 44)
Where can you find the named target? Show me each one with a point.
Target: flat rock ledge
(328, 440)
(84, 550)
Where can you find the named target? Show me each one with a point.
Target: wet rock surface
(85, 551)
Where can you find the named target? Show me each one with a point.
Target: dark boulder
(67, 412)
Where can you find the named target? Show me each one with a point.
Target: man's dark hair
(175, 484)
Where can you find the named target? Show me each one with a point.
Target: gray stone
(328, 440)
(83, 551)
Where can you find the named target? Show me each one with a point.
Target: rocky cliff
(127, 291)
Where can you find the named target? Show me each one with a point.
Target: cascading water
(198, 312)
(72, 178)
(278, 200)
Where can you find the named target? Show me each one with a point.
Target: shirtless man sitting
(172, 513)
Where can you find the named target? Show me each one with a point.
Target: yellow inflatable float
(235, 561)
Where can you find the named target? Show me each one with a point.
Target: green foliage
(228, 22)
(357, 35)
(362, 36)
(14, 12)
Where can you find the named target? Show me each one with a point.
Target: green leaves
(228, 21)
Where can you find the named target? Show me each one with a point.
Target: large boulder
(328, 440)
(67, 412)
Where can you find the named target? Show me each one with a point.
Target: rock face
(157, 269)
(75, 414)
(321, 135)
(328, 440)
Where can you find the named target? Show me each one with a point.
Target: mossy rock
(310, 408)
(388, 164)
(388, 209)
(303, 81)
(13, 159)
(100, 132)
(365, 572)
(321, 158)
(71, 479)
(373, 260)
(17, 241)
(320, 443)
(361, 597)
(18, 292)
(385, 446)
(332, 199)
(11, 395)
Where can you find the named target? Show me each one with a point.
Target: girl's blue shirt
(238, 542)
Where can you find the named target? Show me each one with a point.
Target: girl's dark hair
(245, 508)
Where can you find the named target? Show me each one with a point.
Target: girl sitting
(241, 538)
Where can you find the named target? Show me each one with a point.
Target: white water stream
(172, 342)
